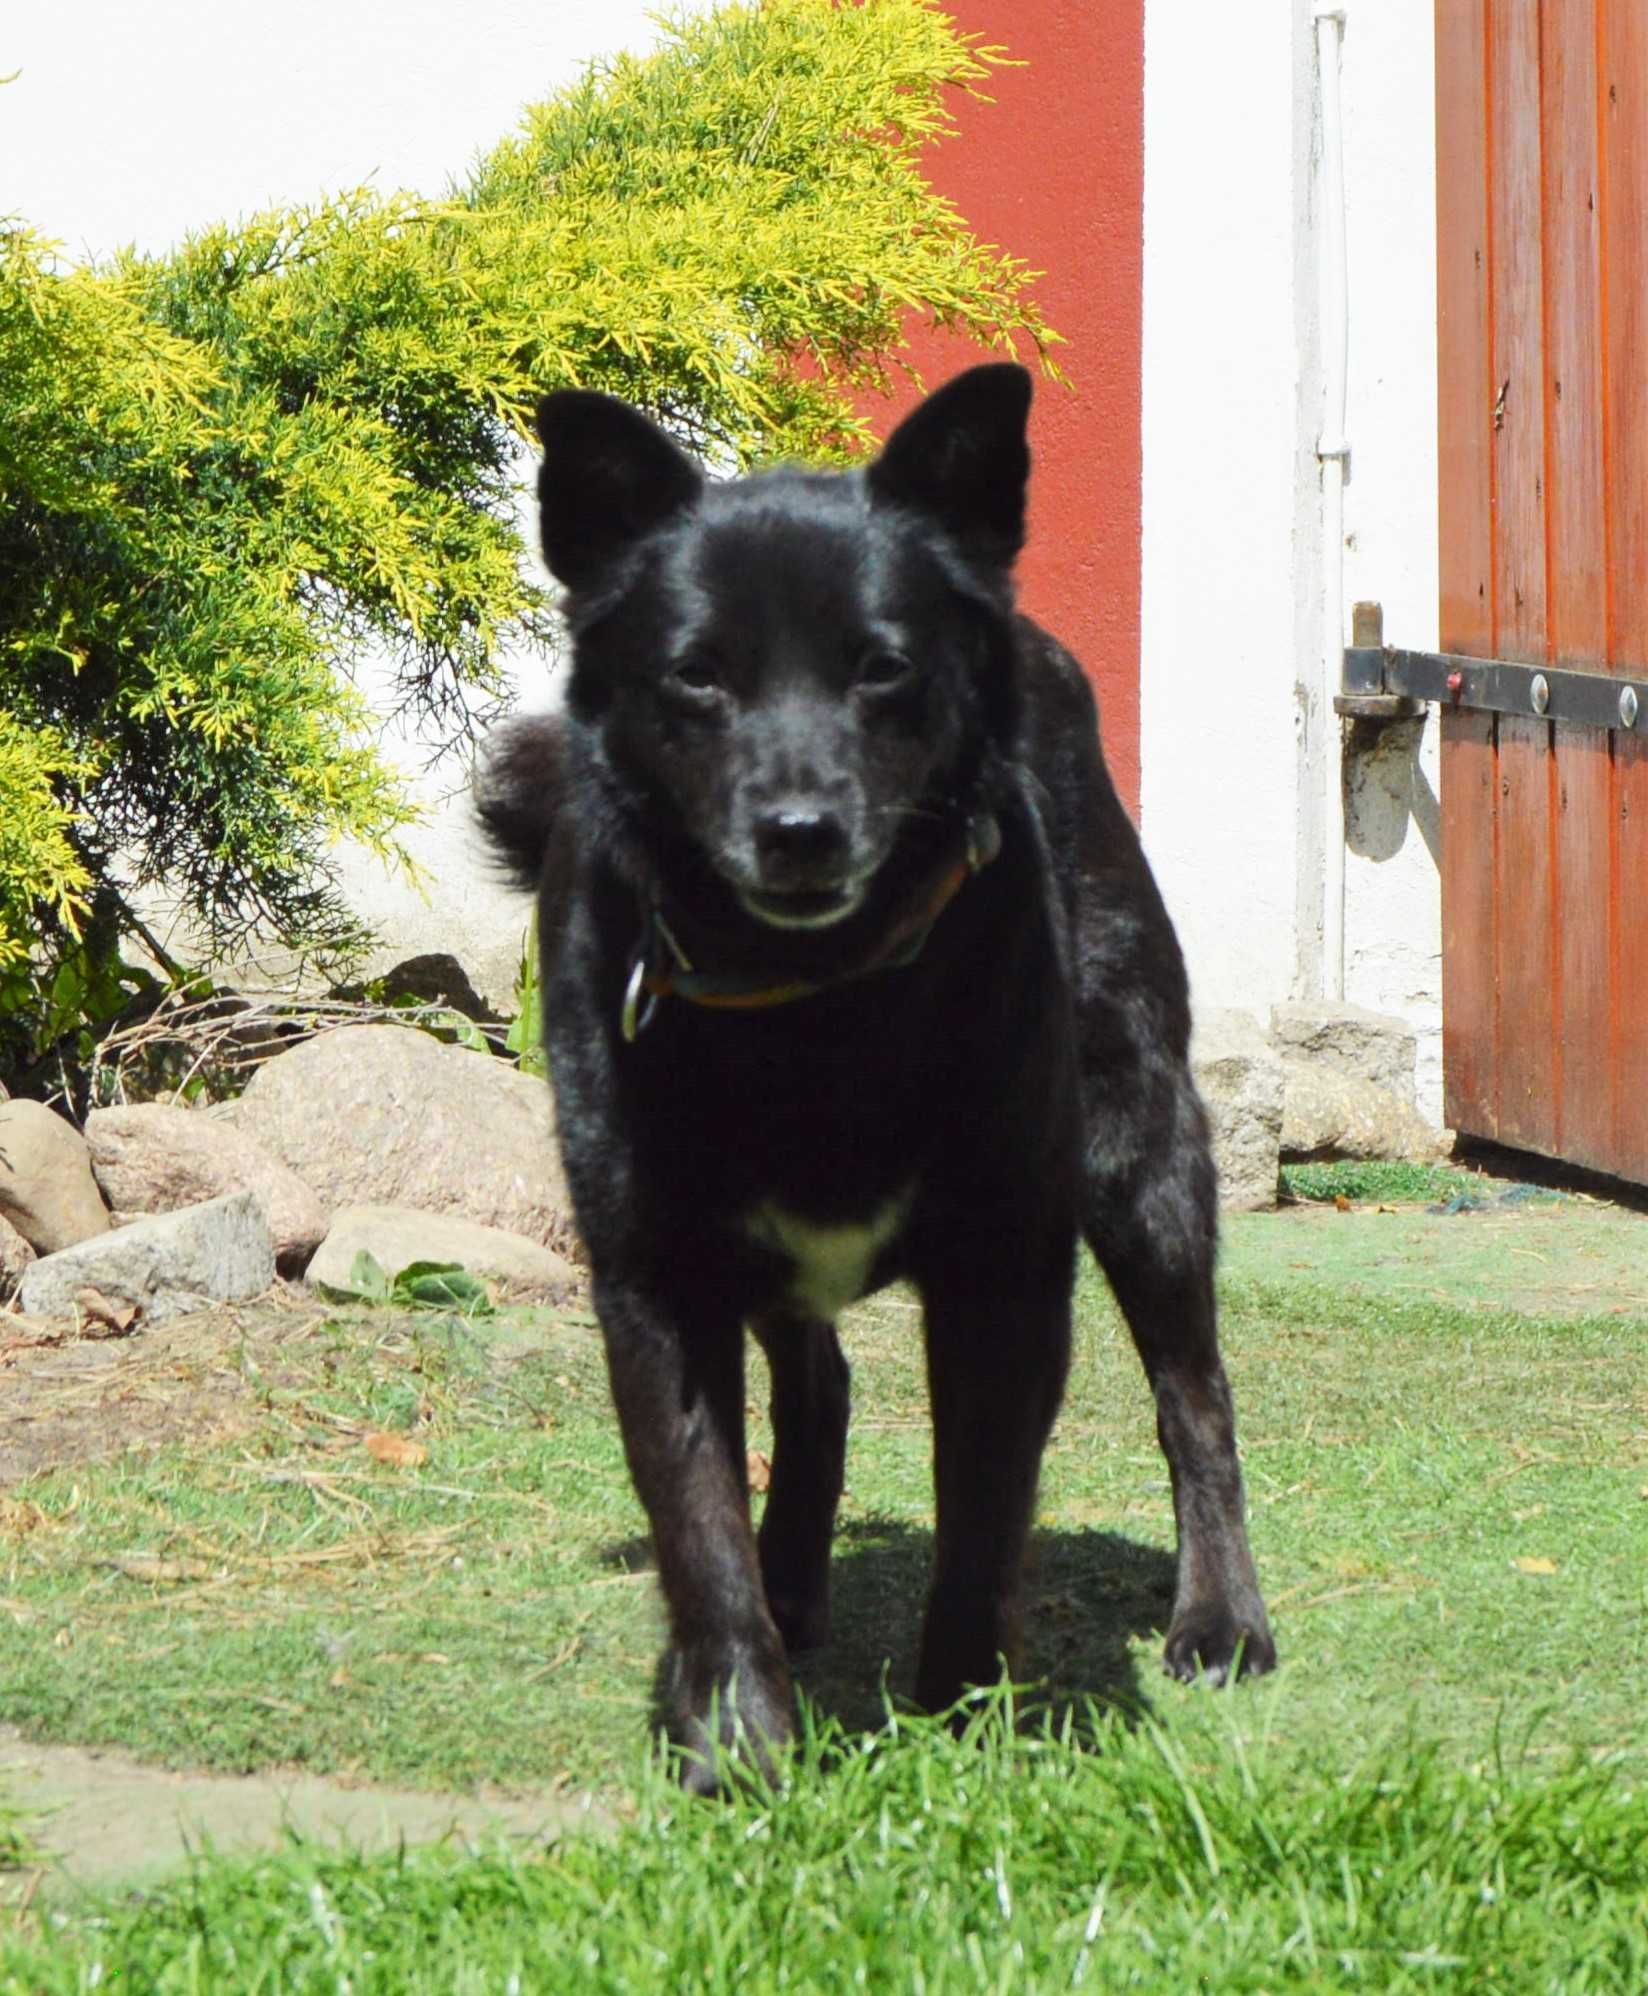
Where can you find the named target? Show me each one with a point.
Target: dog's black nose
(800, 845)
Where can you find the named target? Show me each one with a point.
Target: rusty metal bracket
(1385, 683)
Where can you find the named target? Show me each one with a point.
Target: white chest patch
(832, 1264)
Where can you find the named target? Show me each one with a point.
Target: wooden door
(1542, 264)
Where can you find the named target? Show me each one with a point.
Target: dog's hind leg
(998, 1349)
(810, 1381)
(1154, 1233)
(679, 1389)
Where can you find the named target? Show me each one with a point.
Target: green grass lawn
(1443, 1786)
(1159, 1857)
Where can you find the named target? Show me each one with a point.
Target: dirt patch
(66, 1399)
(100, 1818)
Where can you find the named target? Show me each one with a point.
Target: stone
(397, 1236)
(154, 1158)
(15, 1256)
(1328, 1113)
(170, 1265)
(386, 1115)
(435, 978)
(47, 1190)
(1371, 1046)
(1240, 1079)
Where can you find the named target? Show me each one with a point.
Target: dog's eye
(699, 673)
(881, 670)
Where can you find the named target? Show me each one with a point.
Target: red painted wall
(1053, 172)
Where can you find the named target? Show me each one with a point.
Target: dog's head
(785, 679)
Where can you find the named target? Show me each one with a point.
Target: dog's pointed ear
(962, 459)
(608, 476)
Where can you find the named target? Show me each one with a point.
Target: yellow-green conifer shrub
(229, 474)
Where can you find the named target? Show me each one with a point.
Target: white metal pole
(1332, 449)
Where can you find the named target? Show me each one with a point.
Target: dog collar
(662, 969)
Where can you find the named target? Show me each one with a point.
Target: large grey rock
(155, 1158)
(1240, 1079)
(46, 1186)
(397, 1236)
(15, 1256)
(1328, 1114)
(385, 1115)
(220, 1252)
(1371, 1046)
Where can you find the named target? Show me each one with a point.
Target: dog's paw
(1215, 1644)
(730, 1721)
(970, 1639)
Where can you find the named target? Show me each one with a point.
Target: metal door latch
(1384, 683)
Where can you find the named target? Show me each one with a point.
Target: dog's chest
(831, 1266)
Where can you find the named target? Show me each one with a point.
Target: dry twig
(231, 1034)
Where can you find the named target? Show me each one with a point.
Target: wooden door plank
(1630, 988)
(1525, 963)
(1516, 310)
(1622, 100)
(1577, 625)
(1465, 400)
(1470, 808)
(1528, 961)
(1584, 842)
(1465, 392)
(1576, 587)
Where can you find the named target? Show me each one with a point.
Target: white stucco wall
(1219, 428)
(136, 124)
(1393, 928)
(1232, 722)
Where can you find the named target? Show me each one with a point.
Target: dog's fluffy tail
(519, 782)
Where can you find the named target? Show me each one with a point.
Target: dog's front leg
(810, 1401)
(1219, 1627)
(678, 1382)
(998, 1349)
(1156, 1244)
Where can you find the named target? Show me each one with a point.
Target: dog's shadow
(1089, 1596)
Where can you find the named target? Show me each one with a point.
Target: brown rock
(1327, 1113)
(1370, 1046)
(388, 1116)
(47, 1191)
(15, 1256)
(1239, 1079)
(156, 1158)
(435, 978)
(397, 1236)
(169, 1265)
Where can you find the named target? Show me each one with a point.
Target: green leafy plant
(434, 1285)
(232, 474)
(525, 1038)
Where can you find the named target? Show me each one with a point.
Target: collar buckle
(640, 1004)
(644, 989)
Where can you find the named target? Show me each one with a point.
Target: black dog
(854, 970)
